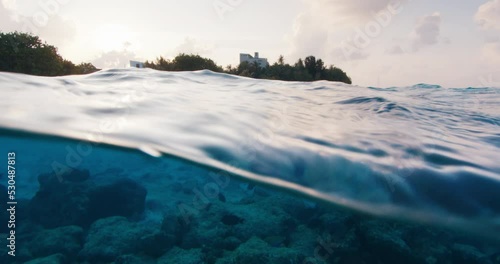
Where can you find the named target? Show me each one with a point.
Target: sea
(144, 166)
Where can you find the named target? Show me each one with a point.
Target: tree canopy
(184, 62)
(26, 53)
(309, 69)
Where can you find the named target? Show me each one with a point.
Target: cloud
(192, 46)
(346, 53)
(55, 29)
(9, 4)
(427, 31)
(491, 38)
(323, 24)
(396, 50)
(488, 15)
(489, 75)
(488, 19)
(491, 53)
(354, 11)
(8, 18)
(114, 59)
(58, 31)
(309, 36)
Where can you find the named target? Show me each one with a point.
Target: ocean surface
(422, 155)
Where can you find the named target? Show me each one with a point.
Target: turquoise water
(140, 166)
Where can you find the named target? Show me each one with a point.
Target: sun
(112, 37)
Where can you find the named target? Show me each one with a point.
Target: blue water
(424, 154)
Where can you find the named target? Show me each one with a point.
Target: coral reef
(73, 199)
(81, 219)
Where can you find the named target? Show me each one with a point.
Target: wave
(422, 154)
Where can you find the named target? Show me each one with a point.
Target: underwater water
(141, 166)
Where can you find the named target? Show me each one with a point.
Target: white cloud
(488, 15)
(58, 31)
(114, 59)
(352, 10)
(488, 19)
(396, 50)
(491, 53)
(9, 4)
(323, 25)
(310, 37)
(55, 29)
(427, 31)
(346, 53)
(8, 18)
(192, 46)
(492, 38)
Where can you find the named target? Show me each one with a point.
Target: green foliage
(85, 68)
(309, 69)
(184, 62)
(26, 53)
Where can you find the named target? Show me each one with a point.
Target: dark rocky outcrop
(73, 199)
(112, 237)
(61, 203)
(53, 259)
(67, 240)
(122, 198)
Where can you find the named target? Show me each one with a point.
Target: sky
(378, 42)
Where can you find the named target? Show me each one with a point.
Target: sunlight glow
(112, 37)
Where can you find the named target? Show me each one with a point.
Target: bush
(26, 53)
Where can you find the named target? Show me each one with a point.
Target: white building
(137, 64)
(262, 62)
